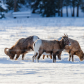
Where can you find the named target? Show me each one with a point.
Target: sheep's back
(74, 45)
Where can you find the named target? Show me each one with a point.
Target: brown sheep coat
(22, 46)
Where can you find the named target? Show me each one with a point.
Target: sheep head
(9, 53)
(65, 39)
(82, 57)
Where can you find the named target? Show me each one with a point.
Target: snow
(45, 72)
(4, 6)
(70, 10)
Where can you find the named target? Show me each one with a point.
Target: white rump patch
(35, 38)
(38, 43)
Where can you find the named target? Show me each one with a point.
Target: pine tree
(73, 4)
(48, 8)
(35, 5)
(67, 3)
(82, 5)
(14, 4)
(78, 4)
(61, 8)
(10, 4)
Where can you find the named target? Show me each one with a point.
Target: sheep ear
(64, 34)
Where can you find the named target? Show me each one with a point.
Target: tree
(61, 8)
(48, 8)
(58, 6)
(78, 3)
(15, 5)
(82, 5)
(35, 5)
(73, 4)
(10, 4)
(67, 3)
(3, 8)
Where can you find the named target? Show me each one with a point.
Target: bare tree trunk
(73, 12)
(15, 5)
(73, 8)
(78, 10)
(66, 10)
(61, 8)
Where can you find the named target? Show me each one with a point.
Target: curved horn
(66, 34)
(6, 51)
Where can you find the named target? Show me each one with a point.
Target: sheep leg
(40, 53)
(71, 53)
(69, 56)
(39, 57)
(43, 56)
(50, 56)
(72, 58)
(17, 56)
(54, 58)
(47, 56)
(59, 56)
(23, 56)
(34, 57)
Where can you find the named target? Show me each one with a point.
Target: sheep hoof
(16, 59)
(22, 59)
(32, 59)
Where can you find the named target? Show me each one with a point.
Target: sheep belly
(46, 53)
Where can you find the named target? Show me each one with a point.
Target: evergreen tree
(67, 3)
(35, 5)
(82, 5)
(78, 4)
(48, 8)
(21, 1)
(61, 8)
(58, 6)
(73, 4)
(14, 4)
(10, 4)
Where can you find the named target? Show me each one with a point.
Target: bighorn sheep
(53, 47)
(74, 49)
(22, 46)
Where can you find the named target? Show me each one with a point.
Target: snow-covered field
(44, 72)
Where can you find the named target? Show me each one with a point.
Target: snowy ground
(44, 72)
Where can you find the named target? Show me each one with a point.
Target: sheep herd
(39, 46)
